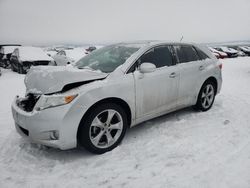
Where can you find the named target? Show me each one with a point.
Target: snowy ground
(183, 149)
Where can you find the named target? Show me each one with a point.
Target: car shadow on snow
(78, 153)
(54, 153)
(170, 118)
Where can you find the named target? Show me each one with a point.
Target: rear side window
(201, 54)
(160, 56)
(186, 53)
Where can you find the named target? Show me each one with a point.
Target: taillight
(220, 65)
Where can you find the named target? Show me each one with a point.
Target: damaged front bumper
(45, 127)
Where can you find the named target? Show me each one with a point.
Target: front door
(156, 92)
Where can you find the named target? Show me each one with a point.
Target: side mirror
(147, 67)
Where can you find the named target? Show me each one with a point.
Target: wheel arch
(114, 100)
(213, 80)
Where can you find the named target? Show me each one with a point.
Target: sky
(103, 21)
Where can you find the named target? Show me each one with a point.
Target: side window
(160, 56)
(201, 54)
(186, 53)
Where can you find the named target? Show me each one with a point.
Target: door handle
(201, 67)
(172, 75)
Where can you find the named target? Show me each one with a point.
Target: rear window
(201, 54)
(186, 54)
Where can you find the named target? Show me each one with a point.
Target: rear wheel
(206, 96)
(103, 129)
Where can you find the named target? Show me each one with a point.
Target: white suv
(116, 87)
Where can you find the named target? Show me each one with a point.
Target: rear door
(192, 68)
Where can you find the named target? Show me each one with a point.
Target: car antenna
(181, 38)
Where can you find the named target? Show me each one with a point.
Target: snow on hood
(27, 53)
(51, 79)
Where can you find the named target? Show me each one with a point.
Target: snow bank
(183, 149)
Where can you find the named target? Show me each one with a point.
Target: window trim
(193, 47)
(207, 57)
(134, 65)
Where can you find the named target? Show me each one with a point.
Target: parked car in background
(229, 51)
(116, 87)
(216, 55)
(90, 49)
(245, 49)
(65, 57)
(51, 52)
(24, 57)
(240, 51)
(222, 55)
(5, 53)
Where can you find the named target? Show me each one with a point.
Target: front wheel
(206, 96)
(103, 128)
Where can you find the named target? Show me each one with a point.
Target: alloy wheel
(106, 128)
(207, 96)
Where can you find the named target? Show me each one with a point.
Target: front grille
(25, 131)
(28, 103)
(35, 63)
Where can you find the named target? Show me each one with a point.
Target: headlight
(48, 101)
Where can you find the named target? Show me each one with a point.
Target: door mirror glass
(147, 67)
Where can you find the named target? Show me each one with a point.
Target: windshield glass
(108, 58)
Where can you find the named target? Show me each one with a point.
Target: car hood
(51, 79)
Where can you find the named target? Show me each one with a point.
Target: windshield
(108, 58)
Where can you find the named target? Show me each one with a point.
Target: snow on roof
(8, 49)
(28, 53)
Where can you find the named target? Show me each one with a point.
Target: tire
(206, 96)
(20, 69)
(97, 133)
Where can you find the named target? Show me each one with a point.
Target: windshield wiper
(86, 67)
(89, 68)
